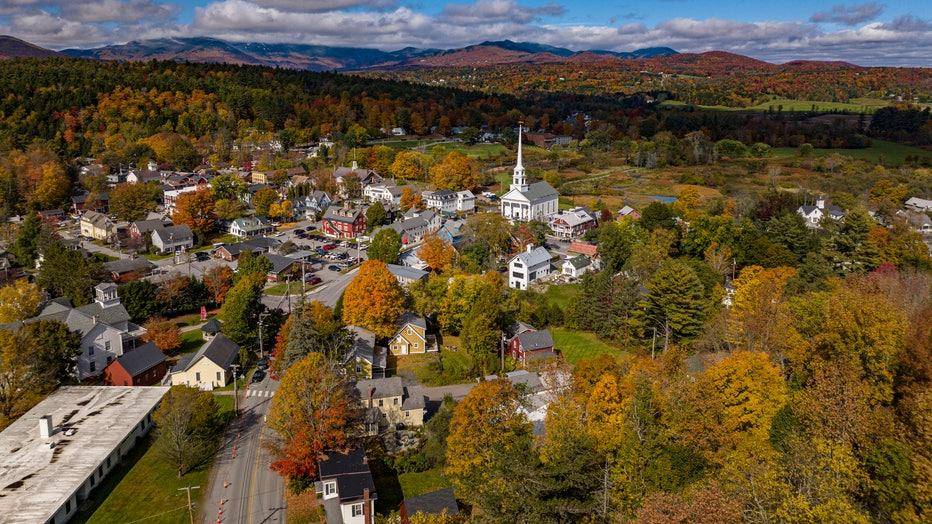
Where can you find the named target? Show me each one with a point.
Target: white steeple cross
(519, 180)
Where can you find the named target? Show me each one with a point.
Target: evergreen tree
(375, 216)
(26, 246)
(675, 303)
(240, 311)
(385, 246)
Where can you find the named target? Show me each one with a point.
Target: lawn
(414, 484)
(450, 366)
(891, 152)
(144, 486)
(191, 341)
(562, 295)
(477, 151)
(579, 345)
(856, 105)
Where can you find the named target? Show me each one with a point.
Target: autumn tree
(219, 280)
(186, 424)
(263, 200)
(163, 333)
(411, 199)
(756, 313)
(462, 293)
(489, 439)
(312, 412)
(312, 328)
(385, 246)
(174, 149)
(490, 230)
(887, 196)
(437, 253)
(455, 171)
(133, 202)
(239, 314)
(375, 216)
(408, 165)
(374, 299)
(196, 210)
(19, 301)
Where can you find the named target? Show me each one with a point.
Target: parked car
(202, 256)
(313, 281)
(262, 363)
(258, 376)
(334, 267)
(328, 247)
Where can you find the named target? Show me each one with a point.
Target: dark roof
(175, 234)
(351, 472)
(112, 315)
(540, 191)
(435, 502)
(211, 327)
(220, 350)
(126, 265)
(262, 242)
(240, 247)
(534, 340)
(145, 226)
(279, 263)
(141, 359)
(380, 387)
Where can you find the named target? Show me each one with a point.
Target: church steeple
(519, 180)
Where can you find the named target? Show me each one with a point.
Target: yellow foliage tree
(756, 315)
(455, 171)
(374, 299)
(411, 199)
(19, 301)
(408, 165)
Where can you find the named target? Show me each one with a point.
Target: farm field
(890, 152)
(856, 105)
(477, 151)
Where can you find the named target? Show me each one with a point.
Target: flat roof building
(53, 456)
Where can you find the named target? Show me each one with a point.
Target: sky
(867, 33)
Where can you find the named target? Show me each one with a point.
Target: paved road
(242, 484)
(328, 293)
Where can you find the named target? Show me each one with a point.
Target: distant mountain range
(491, 53)
(326, 58)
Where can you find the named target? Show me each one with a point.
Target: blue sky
(872, 32)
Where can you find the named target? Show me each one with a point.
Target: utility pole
(653, 342)
(261, 316)
(190, 505)
(235, 399)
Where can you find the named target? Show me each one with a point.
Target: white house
(528, 267)
(170, 196)
(346, 487)
(577, 266)
(250, 227)
(813, 214)
(572, 223)
(465, 201)
(525, 202)
(443, 200)
(384, 193)
(172, 238)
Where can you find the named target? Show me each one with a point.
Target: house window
(356, 510)
(197, 376)
(93, 366)
(90, 351)
(107, 345)
(395, 401)
(330, 488)
(415, 345)
(380, 403)
(218, 376)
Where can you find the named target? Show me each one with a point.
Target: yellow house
(210, 367)
(258, 177)
(411, 336)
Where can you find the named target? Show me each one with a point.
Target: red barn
(142, 366)
(343, 222)
(523, 343)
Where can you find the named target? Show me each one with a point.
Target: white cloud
(849, 14)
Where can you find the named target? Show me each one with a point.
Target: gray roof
(220, 350)
(534, 340)
(279, 262)
(406, 272)
(380, 387)
(211, 327)
(97, 219)
(145, 226)
(412, 318)
(414, 399)
(441, 194)
(114, 314)
(540, 191)
(535, 256)
(579, 262)
(175, 234)
(433, 503)
(126, 265)
(141, 359)
(341, 214)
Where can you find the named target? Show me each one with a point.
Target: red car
(313, 281)
(328, 247)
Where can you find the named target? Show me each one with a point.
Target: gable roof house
(528, 267)
(346, 487)
(411, 336)
(313, 204)
(443, 200)
(453, 232)
(523, 342)
(343, 222)
(368, 359)
(628, 212)
(572, 223)
(172, 238)
(366, 177)
(255, 245)
(918, 204)
(385, 193)
(583, 248)
(128, 269)
(813, 215)
(918, 222)
(247, 227)
(104, 326)
(577, 266)
(97, 226)
(210, 329)
(406, 275)
(101, 203)
(142, 366)
(142, 228)
(388, 402)
(209, 367)
(419, 224)
(465, 201)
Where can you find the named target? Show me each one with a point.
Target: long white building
(525, 202)
(52, 457)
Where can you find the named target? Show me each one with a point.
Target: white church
(525, 202)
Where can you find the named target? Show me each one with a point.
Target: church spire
(518, 179)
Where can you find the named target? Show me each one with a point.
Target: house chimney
(355, 165)
(529, 247)
(45, 426)
(367, 514)
(820, 202)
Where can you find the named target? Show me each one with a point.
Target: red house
(343, 222)
(523, 343)
(142, 366)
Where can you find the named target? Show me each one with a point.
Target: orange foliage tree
(311, 413)
(374, 299)
(219, 280)
(455, 171)
(163, 333)
(437, 253)
(411, 199)
(196, 209)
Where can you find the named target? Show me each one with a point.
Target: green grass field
(856, 105)
(414, 484)
(144, 486)
(891, 153)
(562, 295)
(477, 151)
(579, 345)
(191, 341)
